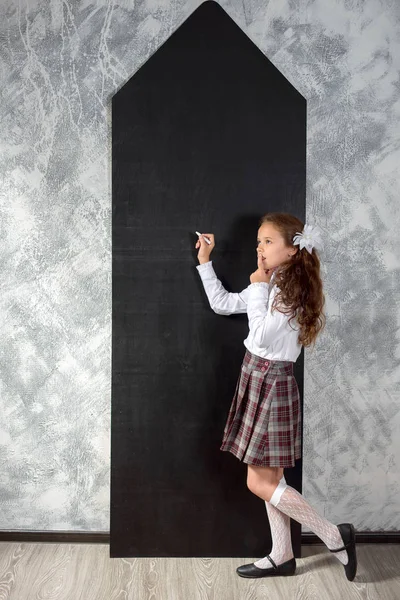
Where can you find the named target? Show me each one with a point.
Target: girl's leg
(262, 482)
(281, 539)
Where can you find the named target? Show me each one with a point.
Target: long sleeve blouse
(270, 335)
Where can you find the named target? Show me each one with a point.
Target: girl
(284, 304)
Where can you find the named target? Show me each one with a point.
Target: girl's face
(272, 247)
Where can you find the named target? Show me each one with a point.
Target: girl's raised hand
(261, 274)
(205, 249)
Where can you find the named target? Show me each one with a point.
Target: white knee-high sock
(281, 540)
(291, 502)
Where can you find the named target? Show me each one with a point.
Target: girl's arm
(221, 301)
(265, 327)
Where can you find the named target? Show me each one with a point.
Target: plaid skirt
(264, 421)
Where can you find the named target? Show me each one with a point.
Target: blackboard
(207, 135)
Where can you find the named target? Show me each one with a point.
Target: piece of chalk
(205, 237)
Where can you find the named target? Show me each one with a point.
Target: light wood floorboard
(47, 571)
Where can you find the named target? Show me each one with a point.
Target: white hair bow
(309, 238)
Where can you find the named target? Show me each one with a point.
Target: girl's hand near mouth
(261, 274)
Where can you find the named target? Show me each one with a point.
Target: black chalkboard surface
(208, 135)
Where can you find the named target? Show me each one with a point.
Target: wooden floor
(31, 571)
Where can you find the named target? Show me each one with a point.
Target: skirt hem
(260, 463)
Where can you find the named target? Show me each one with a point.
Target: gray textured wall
(60, 64)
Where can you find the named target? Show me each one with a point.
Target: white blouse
(270, 334)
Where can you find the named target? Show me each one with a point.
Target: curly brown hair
(300, 286)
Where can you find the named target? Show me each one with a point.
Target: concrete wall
(60, 64)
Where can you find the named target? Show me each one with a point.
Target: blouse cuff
(204, 266)
(260, 284)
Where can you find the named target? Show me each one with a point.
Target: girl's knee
(262, 481)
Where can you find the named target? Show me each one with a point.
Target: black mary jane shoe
(348, 534)
(250, 570)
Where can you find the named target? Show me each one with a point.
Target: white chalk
(206, 238)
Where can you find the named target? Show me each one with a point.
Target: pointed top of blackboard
(209, 40)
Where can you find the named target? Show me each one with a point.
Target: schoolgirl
(284, 304)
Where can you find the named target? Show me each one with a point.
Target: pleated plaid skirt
(263, 427)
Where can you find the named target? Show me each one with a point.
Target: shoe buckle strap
(271, 561)
(342, 548)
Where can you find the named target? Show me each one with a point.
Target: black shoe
(348, 534)
(250, 570)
